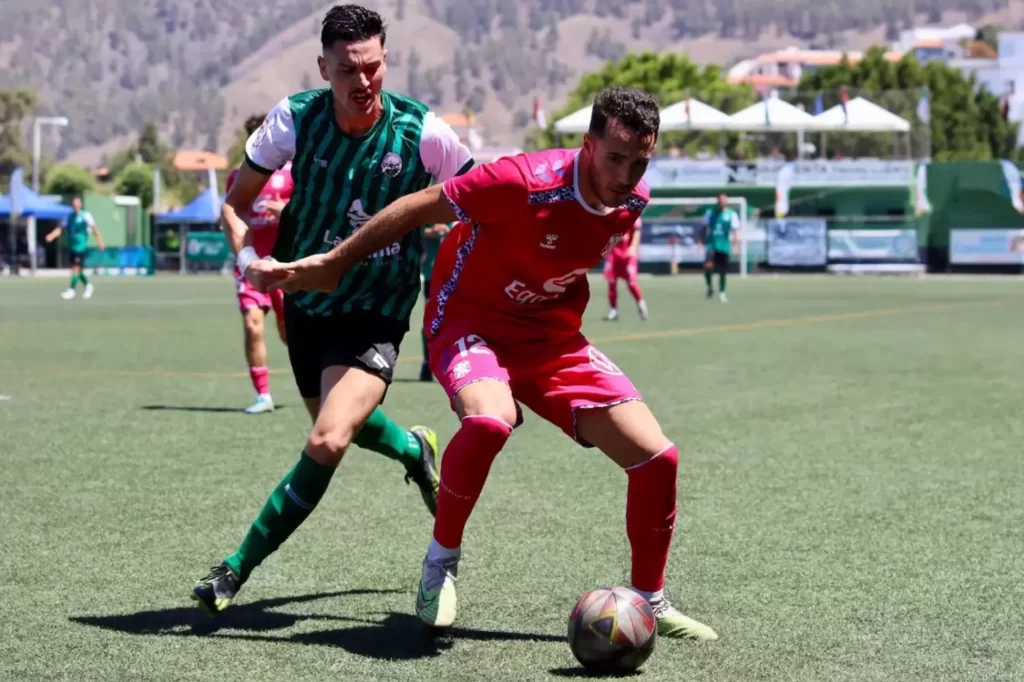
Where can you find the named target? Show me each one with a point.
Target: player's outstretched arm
(322, 272)
(53, 234)
(244, 190)
(99, 237)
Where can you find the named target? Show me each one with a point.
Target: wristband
(245, 257)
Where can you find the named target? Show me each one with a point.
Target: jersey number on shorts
(472, 344)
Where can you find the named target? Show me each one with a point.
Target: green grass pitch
(851, 494)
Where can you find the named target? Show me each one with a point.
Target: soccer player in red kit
(509, 291)
(622, 263)
(263, 219)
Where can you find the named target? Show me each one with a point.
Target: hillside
(198, 66)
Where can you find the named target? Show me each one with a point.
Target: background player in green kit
(354, 148)
(432, 238)
(720, 224)
(79, 225)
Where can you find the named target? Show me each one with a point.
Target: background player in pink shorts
(622, 263)
(509, 291)
(264, 218)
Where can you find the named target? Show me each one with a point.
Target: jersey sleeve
(443, 154)
(273, 144)
(491, 193)
(87, 217)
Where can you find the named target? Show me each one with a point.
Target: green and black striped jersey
(342, 180)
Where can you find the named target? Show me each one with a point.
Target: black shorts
(369, 342)
(719, 260)
(78, 258)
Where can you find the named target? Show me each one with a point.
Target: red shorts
(620, 268)
(554, 380)
(249, 297)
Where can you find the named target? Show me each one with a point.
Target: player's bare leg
(630, 435)
(486, 412)
(253, 322)
(349, 396)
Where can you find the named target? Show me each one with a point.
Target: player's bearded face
(356, 74)
(619, 159)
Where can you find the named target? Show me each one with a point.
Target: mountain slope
(197, 66)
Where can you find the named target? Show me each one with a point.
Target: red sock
(651, 517)
(464, 468)
(634, 288)
(613, 294)
(260, 380)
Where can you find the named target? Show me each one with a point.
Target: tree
(668, 77)
(68, 179)
(15, 107)
(965, 122)
(149, 148)
(136, 180)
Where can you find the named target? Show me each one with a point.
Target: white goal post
(691, 209)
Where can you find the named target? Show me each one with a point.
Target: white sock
(651, 596)
(435, 552)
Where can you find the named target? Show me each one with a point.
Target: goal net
(673, 230)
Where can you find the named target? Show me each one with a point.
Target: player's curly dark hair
(631, 107)
(351, 24)
(253, 123)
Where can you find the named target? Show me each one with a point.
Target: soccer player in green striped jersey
(354, 149)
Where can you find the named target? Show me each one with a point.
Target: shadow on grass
(580, 671)
(395, 636)
(194, 408)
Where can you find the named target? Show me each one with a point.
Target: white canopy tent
(862, 115)
(773, 115)
(577, 122)
(693, 114)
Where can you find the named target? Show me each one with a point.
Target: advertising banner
(887, 246)
(986, 247)
(797, 242)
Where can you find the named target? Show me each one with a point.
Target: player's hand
(312, 273)
(264, 273)
(275, 206)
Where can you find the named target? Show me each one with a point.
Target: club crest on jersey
(549, 241)
(391, 165)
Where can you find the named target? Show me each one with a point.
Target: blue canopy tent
(205, 208)
(31, 205)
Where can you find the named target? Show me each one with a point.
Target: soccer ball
(612, 630)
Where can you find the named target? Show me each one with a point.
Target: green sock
(292, 501)
(707, 278)
(721, 282)
(74, 281)
(82, 278)
(383, 436)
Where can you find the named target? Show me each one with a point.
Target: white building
(1003, 76)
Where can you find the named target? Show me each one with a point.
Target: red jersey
(263, 223)
(621, 249)
(519, 256)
